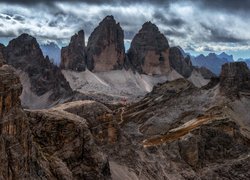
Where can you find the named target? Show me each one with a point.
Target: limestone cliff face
(48, 144)
(15, 141)
(10, 89)
(24, 53)
(177, 61)
(105, 49)
(235, 78)
(149, 51)
(2, 60)
(73, 57)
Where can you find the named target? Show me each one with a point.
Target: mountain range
(53, 51)
(104, 113)
(212, 61)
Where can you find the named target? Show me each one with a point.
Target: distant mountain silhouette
(53, 51)
(245, 60)
(212, 61)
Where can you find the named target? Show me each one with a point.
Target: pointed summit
(105, 49)
(181, 64)
(149, 26)
(149, 50)
(73, 56)
(24, 54)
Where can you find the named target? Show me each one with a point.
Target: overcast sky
(198, 26)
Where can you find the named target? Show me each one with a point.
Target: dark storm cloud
(232, 5)
(206, 48)
(171, 21)
(224, 4)
(220, 34)
(193, 24)
(30, 2)
(19, 18)
(175, 33)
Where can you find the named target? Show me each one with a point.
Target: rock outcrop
(24, 54)
(235, 78)
(10, 89)
(2, 60)
(149, 51)
(206, 73)
(73, 57)
(181, 64)
(153, 139)
(48, 144)
(67, 145)
(15, 137)
(105, 49)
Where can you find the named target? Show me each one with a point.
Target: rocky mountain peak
(149, 26)
(108, 18)
(235, 78)
(73, 56)
(24, 54)
(105, 49)
(177, 61)
(24, 45)
(227, 57)
(149, 50)
(78, 39)
(212, 55)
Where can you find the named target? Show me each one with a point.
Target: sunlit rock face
(149, 51)
(105, 49)
(73, 56)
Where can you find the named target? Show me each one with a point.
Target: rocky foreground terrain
(177, 131)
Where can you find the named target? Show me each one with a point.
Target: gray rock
(149, 51)
(74, 56)
(105, 49)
